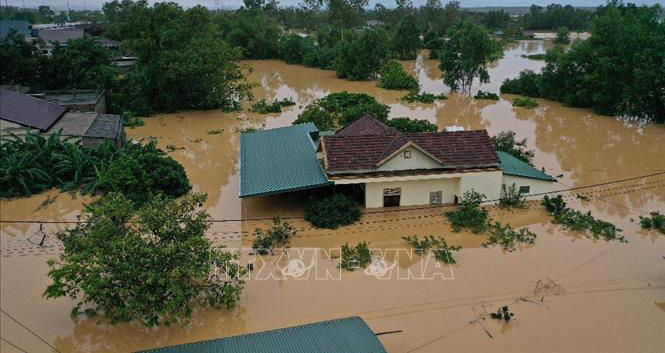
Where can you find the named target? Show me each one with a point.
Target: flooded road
(568, 292)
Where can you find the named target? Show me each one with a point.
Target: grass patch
(439, 247)
(263, 107)
(355, 256)
(525, 102)
(248, 130)
(215, 131)
(332, 212)
(508, 237)
(580, 221)
(469, 214)
(486, 95)
(276, 236)
(656, 221)
(414, 96)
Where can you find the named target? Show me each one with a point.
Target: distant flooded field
(568, 292)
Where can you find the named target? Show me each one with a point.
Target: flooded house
(349, 335)
(21, 113)
(391, 168)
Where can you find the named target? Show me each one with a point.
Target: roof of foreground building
(279, 160)
(29, 111)
(348, 335)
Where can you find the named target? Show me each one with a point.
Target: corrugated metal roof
(61, 35)
(279, 160)
(105, 126)
(29, 111)
(22, 27)
(347, 335)
(514, 166)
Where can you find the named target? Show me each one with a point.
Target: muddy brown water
(568, 293)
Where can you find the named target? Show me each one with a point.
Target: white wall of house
(417, 160)
(535, 185)
(487, 183)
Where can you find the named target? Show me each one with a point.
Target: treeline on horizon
(189, 58)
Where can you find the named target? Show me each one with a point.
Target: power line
(29, 330)
(13, 345)
(374, 212)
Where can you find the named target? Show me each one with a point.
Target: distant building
(390, 167)
(77, 100)
(347, 335)
(21, 113)
(22, 27)
(373, 23)
(125, 63)
(55, 36)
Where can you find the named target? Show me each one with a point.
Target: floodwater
(568, 292)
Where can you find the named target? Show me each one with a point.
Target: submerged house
(21, 113)
(348, 335)
(392, 168)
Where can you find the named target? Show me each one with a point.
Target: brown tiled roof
(362, 147)
(29, 111)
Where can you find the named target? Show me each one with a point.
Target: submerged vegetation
(486, 95)
(154, 271)
(394, 77)
(503, 313)
(357, 256)
(469, 214)
(437, 245)
(655, 221)
(263, 107)
(340, 109)
(579, 221)
(511, 197)
(277, 236)
(34, 163)
(525, 102)
(333, 212)
(508, 237)
(424, 97)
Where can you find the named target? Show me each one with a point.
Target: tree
(21, 60)
(342, 108)
(152, 264)
(431, 13)
(183, 63)
(361, 56)
(496, 19)
(465, 55)
(505, 141)
(411, 125)
(253, 31)
(562, 35)
(332, 212)
(406, 40)
(82, 63)
(394, 77)
(344, 13)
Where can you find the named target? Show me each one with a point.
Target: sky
(96, 4)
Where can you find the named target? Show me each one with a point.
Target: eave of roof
(515, 167)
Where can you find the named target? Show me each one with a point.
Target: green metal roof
(347, 335)
(514, 166)
(279, 160)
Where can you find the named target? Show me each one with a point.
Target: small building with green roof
(526, 178)
(346, 335)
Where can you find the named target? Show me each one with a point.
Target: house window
(525, 189)
(391, 197)
(435, 197)
(407, 154)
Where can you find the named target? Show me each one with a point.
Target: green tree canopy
(406, 39)
(82, 63)
(465, 55)
(393, 76)
(153, 265)
(361, 56)
(340, 109)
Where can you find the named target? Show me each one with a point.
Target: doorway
(391, 197)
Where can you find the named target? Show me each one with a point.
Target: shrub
(411, 125)
(130, 120)
(580, 221)
(525, 102)
(275, 237)
(511, 197)
(394, 77)
(535, 56)
(486, 95)
(290, 48)
(656, 221)
(562, 35)
(502, 313)
(439, 247)
(508, 237)
(332, 212)
(528, 83)
(423, 97)
(339, 109)
(469, 214)
(354, 257)
(142, 171)
(263, 107)
(505, 141)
